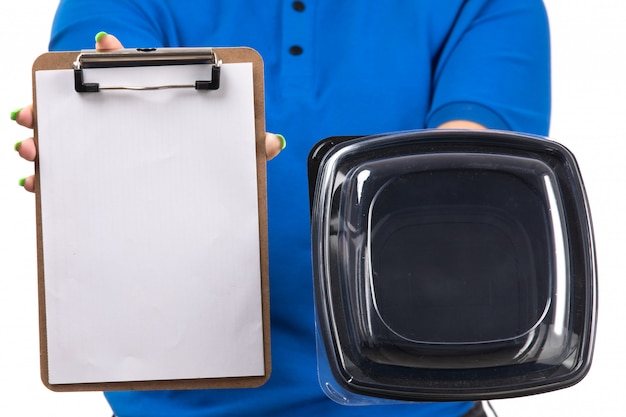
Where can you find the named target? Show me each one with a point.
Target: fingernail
(14, 113)
(283, 142)
(22, 182)
(100, 35)
(17, 146)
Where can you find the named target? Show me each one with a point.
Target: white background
(589, 86)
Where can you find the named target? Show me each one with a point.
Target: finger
(106, 42)
(28, 183)
(461, 124)
(273, 145)
(24, 116)
(27, 149)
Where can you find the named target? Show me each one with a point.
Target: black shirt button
(296, 50)
(298, 6)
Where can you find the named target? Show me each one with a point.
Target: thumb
(106, 42)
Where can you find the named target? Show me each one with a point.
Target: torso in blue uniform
(334, 68)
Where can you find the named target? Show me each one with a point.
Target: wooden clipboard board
(149, 268)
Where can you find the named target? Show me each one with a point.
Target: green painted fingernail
(100, 35)
(14, 113)
(17, 146)
(283, 142)
(22, 182)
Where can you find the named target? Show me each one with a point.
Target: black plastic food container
(451, 265)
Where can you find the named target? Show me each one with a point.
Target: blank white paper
(150, 226)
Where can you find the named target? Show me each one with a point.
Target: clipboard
(151, 219)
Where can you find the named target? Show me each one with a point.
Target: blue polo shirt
(334, 68)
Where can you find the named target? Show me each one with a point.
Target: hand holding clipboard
(64, 329)
(104, 42)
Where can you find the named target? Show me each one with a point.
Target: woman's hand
(26, 148)
(104, 43)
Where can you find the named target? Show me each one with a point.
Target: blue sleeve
(495, 67)
(137, 23)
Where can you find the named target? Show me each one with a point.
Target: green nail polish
(14, 113)
(22, 182)
(17, 146)
(100, 35)
(283, 142)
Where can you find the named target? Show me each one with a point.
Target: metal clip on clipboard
(146, 57)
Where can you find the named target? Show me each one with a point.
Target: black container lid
(452, 265)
